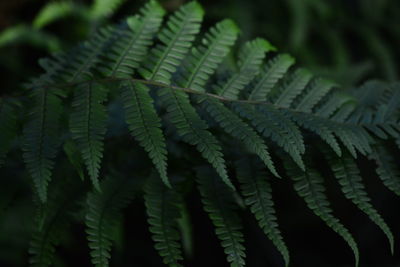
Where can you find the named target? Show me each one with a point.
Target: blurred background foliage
(349, 41)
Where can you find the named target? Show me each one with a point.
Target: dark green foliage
(219, 203)
(104, 213)
(163, 213)
(177, 94)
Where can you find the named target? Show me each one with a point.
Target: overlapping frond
(346, 171)
(88, 126)
(309, 186)
(276, 125)
(204, 59)
(239, 129)
(176, 38)
(104, 213)
(249, 62)
(162, 205)
(133, 41)
(41, 139)
(218, 202)
(257, 192)
(275, 70)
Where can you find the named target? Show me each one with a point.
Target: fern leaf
(204, 59)
(309, 186)
(193, 130)
(347, 173)
(218, 202)
(387, 168)
(176, 40)
(319, 127)
(8, 127)
(298, 83)
(88, 126)
(318, 90)
(258, 196)
(41, 137)
(54, 11)
(145, 125)
(235, 126)
(276, 68)
(278, 127)
(131, 47)
(250, 59)
(163, 213)
(104, 213)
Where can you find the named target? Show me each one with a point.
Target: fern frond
(176, 38)
(235, 126)
(250, 60)
(74, 157)
(104, 212)
(193, 130)
(276, 126)
(88, 126)
(298, 82)
(162, 206)
(8, 127)
(317, 91)
(133, 42)
(258, 196)
(145, 125)
(275, 69)
(54, 11)
(41, 138)
(218, 202)
(346, 171)
(309, 186)
(204, 60)
(387, 169)
(319, 127)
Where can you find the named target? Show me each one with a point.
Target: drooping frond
(204, 60)
(133, 41)
(277, 126)
(88, 126)
(250, 60)
(176, 38)
(8, 123)
(275, 69)
(103, 214)
(41, 138)
(163, 213)
(145, 125)
(309, 186)
(258, 197)
(235, 126)
(346, 171)
(218, 202)
(388, 169)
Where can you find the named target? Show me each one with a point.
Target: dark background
(348, 41)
